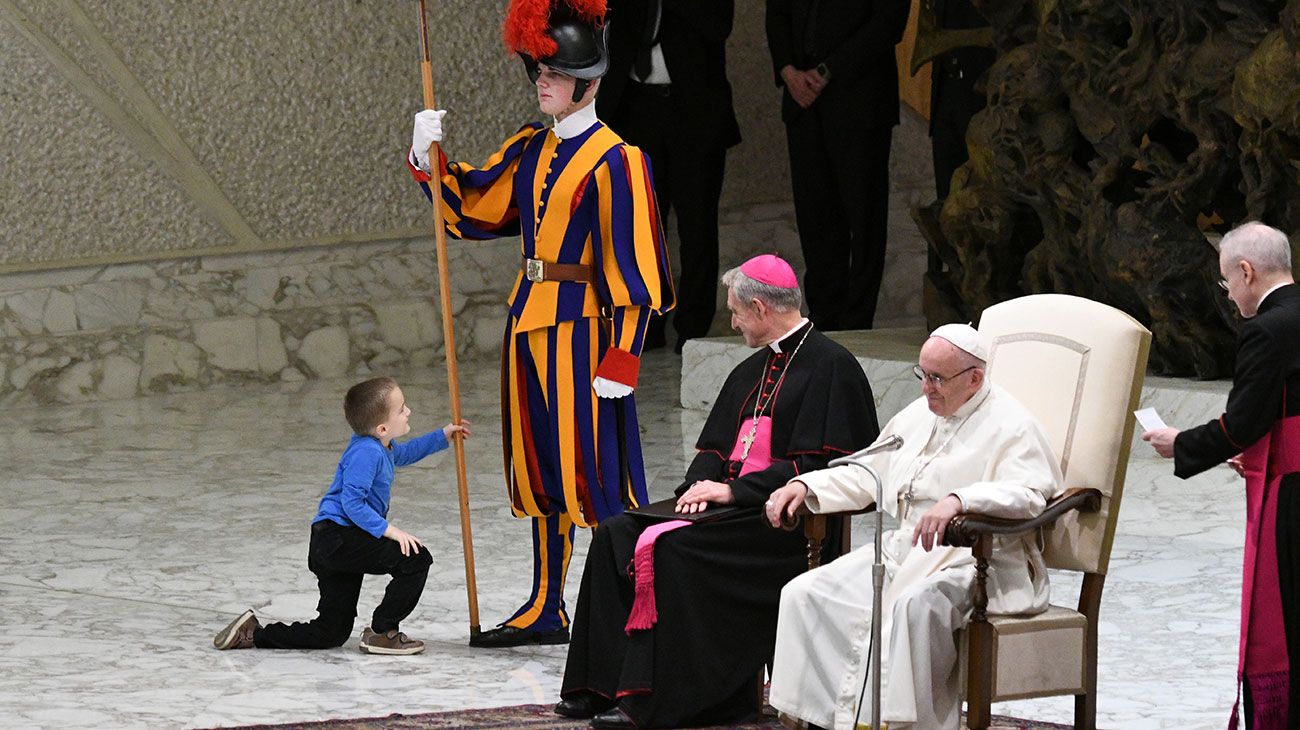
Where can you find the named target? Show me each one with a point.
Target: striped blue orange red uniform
(571, 458)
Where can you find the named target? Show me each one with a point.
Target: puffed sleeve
(635, 278)
(479, 202)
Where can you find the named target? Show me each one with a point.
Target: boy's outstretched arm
(409, 452)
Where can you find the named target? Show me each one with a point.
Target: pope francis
(968, 446)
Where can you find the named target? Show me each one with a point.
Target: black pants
(951, 110)
(840, 178)
(688, 171)
(340, 557)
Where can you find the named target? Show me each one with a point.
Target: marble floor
(134, 529)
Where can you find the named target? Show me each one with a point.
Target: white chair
(1078, 366)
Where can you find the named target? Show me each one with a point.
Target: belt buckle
(534, 270)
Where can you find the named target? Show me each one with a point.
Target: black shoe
(503, 636)
(583, 706)
(613, 718)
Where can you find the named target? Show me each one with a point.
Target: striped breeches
(571, 458)
(565, 449)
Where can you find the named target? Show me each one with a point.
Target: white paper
(1149, 419)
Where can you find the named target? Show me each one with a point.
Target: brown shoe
(389, 642)
(239, 633)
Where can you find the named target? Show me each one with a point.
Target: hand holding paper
(1149, 419)
(1155, 432)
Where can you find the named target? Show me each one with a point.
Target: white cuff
(610, 389)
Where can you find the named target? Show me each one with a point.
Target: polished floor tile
(135, 529)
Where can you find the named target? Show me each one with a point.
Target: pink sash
(644, 613)
(1262, 656)
(760, 452)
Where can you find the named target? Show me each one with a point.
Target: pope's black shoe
(503, 636)
(583, 706)
(613, 718)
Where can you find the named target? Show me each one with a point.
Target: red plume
(592, 11)
(528, 20)
(525, 28)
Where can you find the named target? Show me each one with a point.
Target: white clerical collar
(776, 344)
(576, 123)
(975, 401)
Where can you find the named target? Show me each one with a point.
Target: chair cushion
(1035, 656)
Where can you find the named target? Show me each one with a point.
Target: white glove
(427, 130)
(609, 389)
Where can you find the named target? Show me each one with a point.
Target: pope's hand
(783, 502)
(930, 528)
(427, 130)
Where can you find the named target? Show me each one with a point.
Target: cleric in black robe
(717, 583)
(1260, 432)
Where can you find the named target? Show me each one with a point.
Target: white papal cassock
(995, 457)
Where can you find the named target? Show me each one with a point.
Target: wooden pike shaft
(449, 336)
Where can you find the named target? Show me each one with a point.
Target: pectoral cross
(907, 499)
(748, 441)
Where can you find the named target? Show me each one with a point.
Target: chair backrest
(1078, 365)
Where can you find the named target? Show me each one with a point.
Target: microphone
(893, 443)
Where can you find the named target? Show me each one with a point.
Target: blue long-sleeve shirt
(363, 482)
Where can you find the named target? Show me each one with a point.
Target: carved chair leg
(815, 531)
(1085, 711)
(1085, 705)
(979, 652)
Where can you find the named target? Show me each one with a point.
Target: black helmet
(579, 42)
(580, 48)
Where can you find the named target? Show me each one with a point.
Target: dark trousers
(688, 170)
(951, 110)
(340, 557)
(840, 178)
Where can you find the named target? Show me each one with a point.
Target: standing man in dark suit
(835, 61)
(953, 98)
(667, 93)
(1260, 434)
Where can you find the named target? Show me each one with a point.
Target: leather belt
(536, 270)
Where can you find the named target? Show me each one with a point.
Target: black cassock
(1265, 390)
(718, 584)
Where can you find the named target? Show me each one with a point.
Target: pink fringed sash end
(644, 614)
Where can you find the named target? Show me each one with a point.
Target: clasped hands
(804, 86)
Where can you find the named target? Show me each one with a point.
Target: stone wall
(197, 194)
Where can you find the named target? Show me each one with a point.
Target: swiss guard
(592, 271)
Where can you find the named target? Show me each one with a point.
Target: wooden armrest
(802, 513)
(966, 528)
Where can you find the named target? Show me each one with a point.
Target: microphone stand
(877, 585)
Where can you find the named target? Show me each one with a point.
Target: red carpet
(540, 717)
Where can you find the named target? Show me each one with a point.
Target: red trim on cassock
(619, 366)
(1224, 427)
